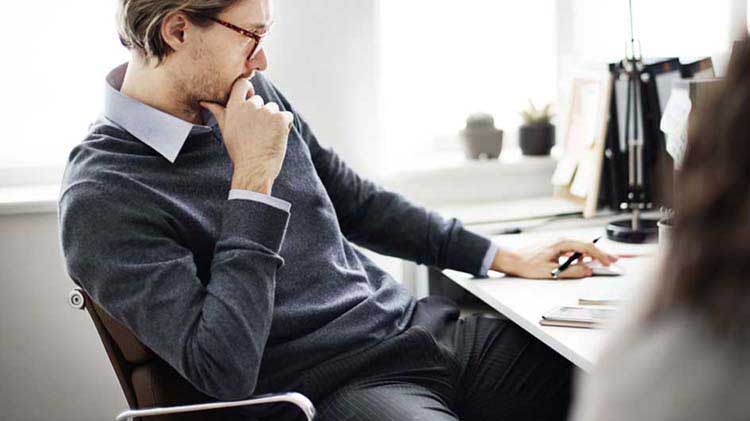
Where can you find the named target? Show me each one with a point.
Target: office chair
(152, 387)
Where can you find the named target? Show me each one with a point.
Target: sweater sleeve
(125, 254)
(388, 223)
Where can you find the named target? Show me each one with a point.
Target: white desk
(524, 301)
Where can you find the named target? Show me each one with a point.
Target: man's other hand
(539, 262)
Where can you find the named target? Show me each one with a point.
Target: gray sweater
(241, 296)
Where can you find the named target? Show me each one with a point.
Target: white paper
(674, 124)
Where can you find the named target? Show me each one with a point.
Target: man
(222, 240)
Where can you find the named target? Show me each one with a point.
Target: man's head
(203, 45)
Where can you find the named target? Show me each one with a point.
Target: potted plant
(537, 135)
(481, 138)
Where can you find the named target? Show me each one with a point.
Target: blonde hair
(139, 22)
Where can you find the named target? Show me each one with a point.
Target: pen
(577, 255)
(508, 231)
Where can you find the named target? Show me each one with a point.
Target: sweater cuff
(255, 221)
(468, 252)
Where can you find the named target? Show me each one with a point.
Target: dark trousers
(441, 367)
(448, 368)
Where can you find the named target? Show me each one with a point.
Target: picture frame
(578, 174)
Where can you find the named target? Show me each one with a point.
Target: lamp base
(622, 231)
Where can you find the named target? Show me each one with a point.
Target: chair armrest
(298, 399)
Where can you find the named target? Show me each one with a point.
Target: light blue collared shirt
(164, 133)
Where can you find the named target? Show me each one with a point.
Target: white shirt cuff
(488, 258)
(259, 197)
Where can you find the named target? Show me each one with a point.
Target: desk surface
(524, 301)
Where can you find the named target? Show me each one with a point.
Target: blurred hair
(707, 267)
(139, 22)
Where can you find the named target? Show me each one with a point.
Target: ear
(173, 30)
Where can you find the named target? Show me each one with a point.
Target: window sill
(29, 199)
(510, 178)
(467, 182)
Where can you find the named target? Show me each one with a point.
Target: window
(439, 61)
(443, 60)
(53, 76)
(666, 28)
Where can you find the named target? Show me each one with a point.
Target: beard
(208, 85)
(204, 80)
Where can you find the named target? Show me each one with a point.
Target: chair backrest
(146, 380)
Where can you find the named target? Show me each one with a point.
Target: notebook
(578, 316)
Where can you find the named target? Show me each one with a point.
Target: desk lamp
(635, 229)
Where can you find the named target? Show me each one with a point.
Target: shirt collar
(163, 132)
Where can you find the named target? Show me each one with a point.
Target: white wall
(52, 365)
(324, 57)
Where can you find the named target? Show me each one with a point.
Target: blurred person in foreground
(687, 355)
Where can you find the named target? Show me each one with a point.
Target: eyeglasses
(258, 38)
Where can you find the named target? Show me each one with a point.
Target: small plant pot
(536, 139)
(484, 142)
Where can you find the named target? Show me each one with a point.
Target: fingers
(250, 92)
(576, 271)
(244, 89)
(585, 248)
(272, 107)
(256, 100)
(241, 90)
(288, 118)
(543, 271)
(215, 109)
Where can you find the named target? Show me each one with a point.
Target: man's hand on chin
(538, 263)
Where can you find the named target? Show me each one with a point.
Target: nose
(259, 62)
